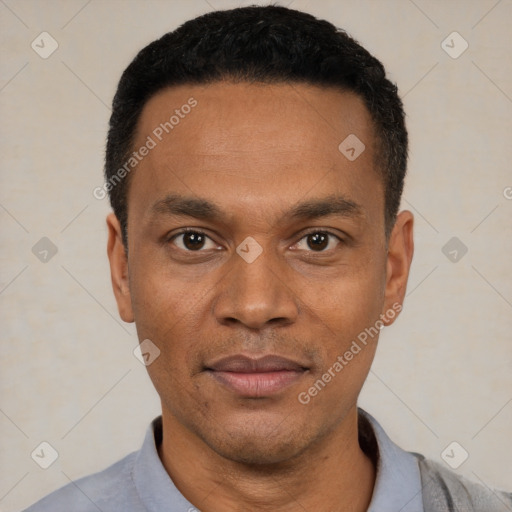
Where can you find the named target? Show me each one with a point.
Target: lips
(256, 378)
(244, 364)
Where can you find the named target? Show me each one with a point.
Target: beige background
(442, 373)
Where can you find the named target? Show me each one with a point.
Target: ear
(399, 258)
(119, 268)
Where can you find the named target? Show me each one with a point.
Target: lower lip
(257, 385)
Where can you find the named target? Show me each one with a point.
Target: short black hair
(267, 44)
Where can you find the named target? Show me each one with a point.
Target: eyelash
(307, 233)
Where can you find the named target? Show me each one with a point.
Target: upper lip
(244, 364)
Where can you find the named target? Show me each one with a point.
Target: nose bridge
(255, 291)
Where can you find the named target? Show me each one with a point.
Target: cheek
(350, 311)
(161, 297)
(163, 312)
(351, 298)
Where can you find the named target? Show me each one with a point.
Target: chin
(260, 452)
(254, 446)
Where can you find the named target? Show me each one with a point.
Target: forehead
(257, 109)
(254, 145)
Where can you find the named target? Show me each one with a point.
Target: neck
(333, 475)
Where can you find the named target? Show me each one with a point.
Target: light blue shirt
(140, 483)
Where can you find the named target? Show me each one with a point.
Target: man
(255, 163)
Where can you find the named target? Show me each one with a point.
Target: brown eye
(318, 241)
(192, 241)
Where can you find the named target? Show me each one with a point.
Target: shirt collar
(398, 480)
(154, 485)
(397, 485)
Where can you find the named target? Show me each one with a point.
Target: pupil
(193, 240)
(317, 241)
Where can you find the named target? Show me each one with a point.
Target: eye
(193, 240)
(318, 241)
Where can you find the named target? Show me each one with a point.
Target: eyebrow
(202, 209)
(331, 205)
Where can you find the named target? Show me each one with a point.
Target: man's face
(263, 156)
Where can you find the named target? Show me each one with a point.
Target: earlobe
(399, 258)
(119, 268)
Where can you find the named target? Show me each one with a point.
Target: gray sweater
(445, 491)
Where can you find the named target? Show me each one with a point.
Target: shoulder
(109, 490)
(444, 491)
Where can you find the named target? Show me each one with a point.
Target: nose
(257, 294)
